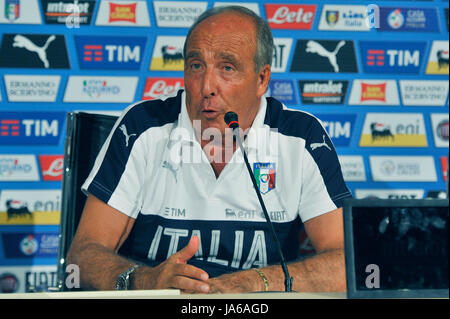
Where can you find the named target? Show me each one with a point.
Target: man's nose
(209, 87)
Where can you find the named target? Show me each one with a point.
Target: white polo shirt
(153, 169)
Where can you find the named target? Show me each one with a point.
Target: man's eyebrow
(227, 56)
(193, 54)
(231, 58)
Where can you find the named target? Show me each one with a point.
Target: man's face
(219, 72)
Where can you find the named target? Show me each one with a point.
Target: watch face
(121, 283)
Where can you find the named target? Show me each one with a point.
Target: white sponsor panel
(374, 92)
(403, 168)
(438, 58)
(343, 18)
(168, 53)
(352, 168)
(390, 193)
(21, 279)
(282, 49)
(101, 89)
(178, 14)
(21, 12)
(32, 88)
(439, 123)
(249, 5)
(394, 129)
(423, 92)
(123, 13)
(36, 200)
(18, 168)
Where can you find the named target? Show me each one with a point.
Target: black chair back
(85, 135)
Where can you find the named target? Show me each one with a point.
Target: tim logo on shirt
(102, 53)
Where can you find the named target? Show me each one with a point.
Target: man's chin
(210, 128)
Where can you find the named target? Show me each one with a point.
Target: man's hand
(175, 273)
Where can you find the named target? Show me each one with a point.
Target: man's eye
(228, 68)
(195, 66)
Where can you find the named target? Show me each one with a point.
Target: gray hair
(264, 38)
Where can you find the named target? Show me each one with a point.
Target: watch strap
(126, 276)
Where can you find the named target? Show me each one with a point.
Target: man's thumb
(187, 252)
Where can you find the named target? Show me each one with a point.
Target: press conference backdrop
(380, 88)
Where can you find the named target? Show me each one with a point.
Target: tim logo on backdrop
(339, 127)
(29, 128)
(392, 57)
(123, 53)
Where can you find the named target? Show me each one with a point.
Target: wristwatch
(123, 282)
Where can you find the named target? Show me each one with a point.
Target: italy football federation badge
(265, 176)
(12, 10)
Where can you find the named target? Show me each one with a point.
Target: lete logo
(51, 167)
(292, 16)
(162, 88)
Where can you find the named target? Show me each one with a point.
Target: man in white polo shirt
(170, 190)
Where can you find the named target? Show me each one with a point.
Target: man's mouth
(210, 114)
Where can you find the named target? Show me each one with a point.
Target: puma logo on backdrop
(315, 47)
(21, 41)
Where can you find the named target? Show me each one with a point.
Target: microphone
(231, 119)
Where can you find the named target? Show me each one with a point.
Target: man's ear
(263, 80)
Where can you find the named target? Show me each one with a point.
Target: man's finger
(182, 256)
(189, 284)
(190, 271)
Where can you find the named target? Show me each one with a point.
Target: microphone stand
(287, 278)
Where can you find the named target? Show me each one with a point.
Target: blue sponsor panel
(104, 53)
(340, 127)
(29, 245)
(284, 91)
(392, 57)
(31, 128)
(404, 19)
